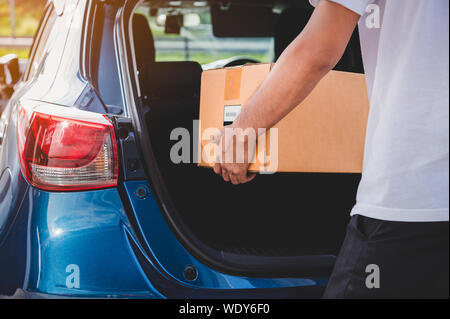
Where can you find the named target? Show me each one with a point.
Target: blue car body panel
(81, 232)
(91, 231)
(172, 257)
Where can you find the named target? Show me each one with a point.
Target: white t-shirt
(405, 48)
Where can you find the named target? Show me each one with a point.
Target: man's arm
(298, 70)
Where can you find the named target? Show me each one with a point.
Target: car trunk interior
(275, 220)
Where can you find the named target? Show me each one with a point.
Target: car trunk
(274, 223)
(285, 224)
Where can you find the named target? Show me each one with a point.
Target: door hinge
(131, 160)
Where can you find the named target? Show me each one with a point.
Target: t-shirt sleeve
(358, 6)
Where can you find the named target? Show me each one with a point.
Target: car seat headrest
(144, 44)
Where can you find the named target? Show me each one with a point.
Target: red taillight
(62, 148)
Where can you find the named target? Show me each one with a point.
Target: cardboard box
(325, 133)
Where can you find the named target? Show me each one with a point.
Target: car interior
(278, 219)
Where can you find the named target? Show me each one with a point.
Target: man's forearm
(288, 84)
(315, 52)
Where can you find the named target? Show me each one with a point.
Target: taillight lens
(62, 148)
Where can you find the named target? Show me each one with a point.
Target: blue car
(92, 203)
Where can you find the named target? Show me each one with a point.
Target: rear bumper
(82, 245)
(24, 294)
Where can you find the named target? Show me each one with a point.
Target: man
(397, 240)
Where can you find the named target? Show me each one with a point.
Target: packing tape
(233, 78)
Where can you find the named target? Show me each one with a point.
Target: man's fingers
(248, 178)
(216, 138)
(217, 169)
(225, 175)
(230, 172)
(234, 179)
(244, 178)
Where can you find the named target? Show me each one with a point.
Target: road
(18, 42)
(222, 45)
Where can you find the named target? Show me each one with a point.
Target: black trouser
(384, 259)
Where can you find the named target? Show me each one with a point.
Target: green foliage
(28, 14)
(21, 53)
(203, 32)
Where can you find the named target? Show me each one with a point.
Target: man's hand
(301, 66)
(236, 151)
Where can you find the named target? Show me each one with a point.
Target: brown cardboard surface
(218, 89)
(325, 133)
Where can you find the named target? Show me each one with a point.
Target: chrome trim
(59, 6)
(84, 37)
(124, 67)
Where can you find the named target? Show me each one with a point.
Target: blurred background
(195, 41)
(19, 20)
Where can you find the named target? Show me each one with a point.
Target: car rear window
(196, 41)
